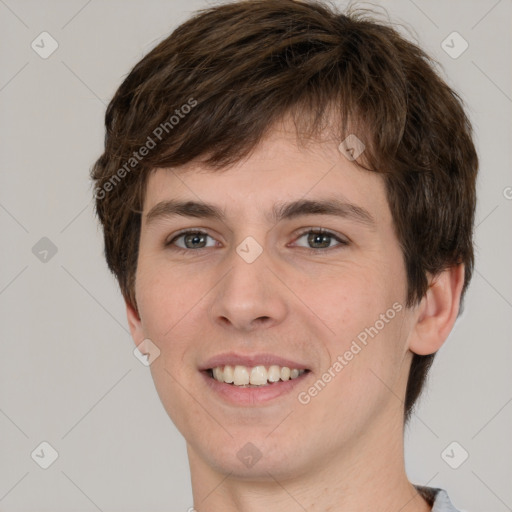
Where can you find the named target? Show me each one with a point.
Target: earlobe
(437, 311)
(134, 323)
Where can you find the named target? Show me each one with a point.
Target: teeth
(240, 376)
(255, 376)
(227, 374)
(274, 373)
(259, 376)
(218, 374)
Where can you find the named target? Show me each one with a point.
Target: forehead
(278, 170)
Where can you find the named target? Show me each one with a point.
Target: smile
(255, 376)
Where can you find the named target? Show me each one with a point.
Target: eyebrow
(280, 211)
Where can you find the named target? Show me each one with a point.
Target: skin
(343, 450)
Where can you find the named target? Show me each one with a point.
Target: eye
(319, 239)
(315, 239)
(191, 240)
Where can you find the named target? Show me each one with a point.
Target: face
(293, 264)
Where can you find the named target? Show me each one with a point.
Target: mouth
(255, 376)
(251, 380)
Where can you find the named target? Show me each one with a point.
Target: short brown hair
(243, 66)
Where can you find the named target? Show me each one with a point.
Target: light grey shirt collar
(439, 498)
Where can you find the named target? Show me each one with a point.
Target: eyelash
(316, 231)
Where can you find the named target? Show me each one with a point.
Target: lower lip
(250, 396)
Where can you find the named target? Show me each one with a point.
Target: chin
(252, 457)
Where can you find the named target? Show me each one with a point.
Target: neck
(366, 476)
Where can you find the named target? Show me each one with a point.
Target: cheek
(168, 302)
(364, 374)
(173, 306)
(347, 299)
(363, 308)
(164, 298)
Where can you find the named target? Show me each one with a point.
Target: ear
(437, 311)
(134, 323)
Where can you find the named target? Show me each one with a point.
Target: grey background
(67, 371)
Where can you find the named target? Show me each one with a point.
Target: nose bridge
(249, 294)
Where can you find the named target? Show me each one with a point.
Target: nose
(249, 296)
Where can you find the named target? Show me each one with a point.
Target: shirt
(437, 498)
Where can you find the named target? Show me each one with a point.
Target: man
(287, 195)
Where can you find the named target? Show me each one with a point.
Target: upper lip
(250, 360)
